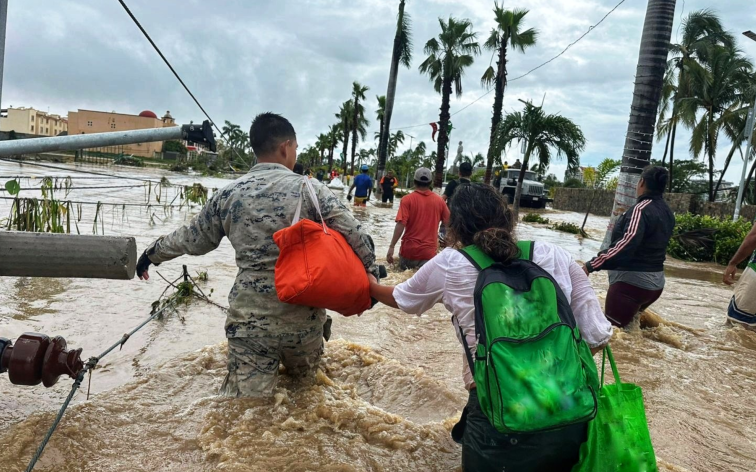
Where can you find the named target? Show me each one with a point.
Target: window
(32, 118)
(112, 125)
(89, 123)
(32, 127)
(47, 130)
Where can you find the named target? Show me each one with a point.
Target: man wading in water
(261, 330)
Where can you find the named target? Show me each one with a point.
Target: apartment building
(31, 121)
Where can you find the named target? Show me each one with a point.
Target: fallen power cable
(183, 290)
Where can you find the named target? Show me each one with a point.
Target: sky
(300, 57)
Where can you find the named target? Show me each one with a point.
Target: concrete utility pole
(3, 24)
(201, 134)
(749, 142)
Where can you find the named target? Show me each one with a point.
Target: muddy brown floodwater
(390, 385)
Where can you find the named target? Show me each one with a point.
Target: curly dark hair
(480, 215)
(656, 178)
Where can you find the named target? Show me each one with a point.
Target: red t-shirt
(421, 212)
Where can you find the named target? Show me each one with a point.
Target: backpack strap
(526, 250)
(479, 259)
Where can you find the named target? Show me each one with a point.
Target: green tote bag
(618, 438)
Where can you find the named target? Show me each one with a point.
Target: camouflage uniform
(261, 330)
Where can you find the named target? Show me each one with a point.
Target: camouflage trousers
(253, 361)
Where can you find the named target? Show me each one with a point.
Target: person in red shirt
(419, 215)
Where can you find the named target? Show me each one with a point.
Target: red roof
(148, 114)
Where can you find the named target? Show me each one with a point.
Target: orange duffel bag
(317, 267)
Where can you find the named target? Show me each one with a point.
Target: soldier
(261, 330)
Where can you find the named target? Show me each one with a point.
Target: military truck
(533, 194)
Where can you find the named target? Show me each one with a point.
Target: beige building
(90, 121)
(31, 121)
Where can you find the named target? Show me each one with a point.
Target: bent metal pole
(197, 133)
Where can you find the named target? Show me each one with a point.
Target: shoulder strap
(477, 257)
(526, 250)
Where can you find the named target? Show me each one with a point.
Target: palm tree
(448, 57)
(478, 160)
(401, 54)
(541, 133)
(506, 33)
(322, 143)
(333, 139)
(716, 99)
(649, 80)
(358, 120)
(344, 116)
(700, 31)
(394, 141)
(380, 114)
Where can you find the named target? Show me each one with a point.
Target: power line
(591, 28)
(178, 77)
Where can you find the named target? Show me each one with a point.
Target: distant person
(742, 308)
(298, 169)
(465, 171)
(506, 165)
(262, 331)
(362, 186)
(635, 258)
(481, 222)
(417, 224)
(388, 184)
(320, 175)
(308, 173)
(517, 164)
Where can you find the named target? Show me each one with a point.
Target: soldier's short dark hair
(465, 169)
(268, 131)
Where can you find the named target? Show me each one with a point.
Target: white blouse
(450, 278)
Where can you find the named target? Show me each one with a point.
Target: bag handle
(608, 352)
(315, 202)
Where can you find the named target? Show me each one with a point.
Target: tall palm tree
(448, 57)
(395, 140)
(344, 116)
(716, 99)
(700, 31)
(649, 80)
(541, 132)
(380, 114)
(506, 34)
(358, 118)
(333, 140)
(401, 54)
(322, 143)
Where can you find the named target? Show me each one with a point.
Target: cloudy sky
(299, 58)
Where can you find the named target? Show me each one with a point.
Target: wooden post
(25, 254)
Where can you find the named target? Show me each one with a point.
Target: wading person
(388, 184)
(742, 308)
(417, 224)
(465, 171)
(635, 258)
(362, 186)
(481, 224)
(262, 331)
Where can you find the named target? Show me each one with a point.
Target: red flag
(435, 130)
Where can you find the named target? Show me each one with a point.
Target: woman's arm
(593, 325)
(384, 294)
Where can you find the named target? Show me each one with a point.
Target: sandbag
(317, 267)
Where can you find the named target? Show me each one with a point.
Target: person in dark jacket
(635, 258)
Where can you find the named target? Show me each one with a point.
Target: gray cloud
(300, 57)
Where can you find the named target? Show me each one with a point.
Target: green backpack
(532, 369)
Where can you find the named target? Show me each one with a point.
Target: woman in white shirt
(479, 215)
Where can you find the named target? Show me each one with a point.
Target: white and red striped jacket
(639, 238)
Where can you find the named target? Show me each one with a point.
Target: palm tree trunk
(443, 132)
(390, 94)
(666, 148)
(672, 155)
(711, 152)
(590, 207)
(330, 159)
(726, 166)
(354, 130)
(649, 79)
(501, 83)
(346, 143)
(520, 179)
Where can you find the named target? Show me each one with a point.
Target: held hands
(729, 274)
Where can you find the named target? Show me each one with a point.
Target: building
(30, 121)
(577, 174)
(90, 121)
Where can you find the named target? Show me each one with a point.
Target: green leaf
(13, 187)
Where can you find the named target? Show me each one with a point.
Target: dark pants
(624, 301)
(387, 197)
(485, 449)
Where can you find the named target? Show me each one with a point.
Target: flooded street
(390, 386)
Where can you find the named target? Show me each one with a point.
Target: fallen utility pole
(196, 133)
(25, 254)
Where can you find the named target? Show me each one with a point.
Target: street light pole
(3, 25)
(749, 142)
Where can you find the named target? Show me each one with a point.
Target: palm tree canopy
(404, 34)
(358, 91)
(450, 54)
(542, 132)
(380, 112)
(507, 33)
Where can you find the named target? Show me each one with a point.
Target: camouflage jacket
(248, 212)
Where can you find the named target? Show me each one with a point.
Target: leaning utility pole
(649, 78)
